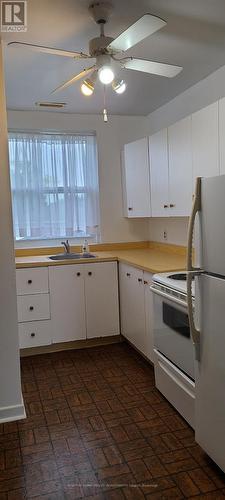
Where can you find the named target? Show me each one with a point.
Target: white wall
(11, 406)
(110, 137)
(175, 228)
(196, 97)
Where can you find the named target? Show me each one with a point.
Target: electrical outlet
(165, 235)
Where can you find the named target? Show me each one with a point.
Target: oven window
(176, 319)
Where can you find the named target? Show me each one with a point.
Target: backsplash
(169, 230)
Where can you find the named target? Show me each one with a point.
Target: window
(54, 182)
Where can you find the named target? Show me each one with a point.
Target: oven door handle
(165, 296)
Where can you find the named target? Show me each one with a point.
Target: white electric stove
(173, 347)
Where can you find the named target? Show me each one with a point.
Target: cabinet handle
(172, 205)
(78, 274)
(165, 206)
(32, 334)
(145, 282)
(130, 208)
(89, 273)
(128, 275)
(140, 280)
(29, 282)
(31, 308)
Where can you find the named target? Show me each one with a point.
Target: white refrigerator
(207, 322)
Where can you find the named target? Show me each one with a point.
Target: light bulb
(119, 86)
(106, 75)
(87, 87)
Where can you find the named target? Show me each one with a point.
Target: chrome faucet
(66, 246)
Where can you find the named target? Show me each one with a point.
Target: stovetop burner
(179, 277)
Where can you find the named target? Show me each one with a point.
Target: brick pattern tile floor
(97, 427)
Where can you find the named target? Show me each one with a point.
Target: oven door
(172, 333)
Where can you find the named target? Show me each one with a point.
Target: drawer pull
(78, 274)
(145, 282)
(172, 205)
(128, 275)
(31, 308)
(139, 280)
(29, 282)
(165, 206)
(89, 273)
(32, 335)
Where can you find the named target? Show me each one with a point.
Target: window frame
(53, 241)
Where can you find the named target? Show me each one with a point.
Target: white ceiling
(193, 38)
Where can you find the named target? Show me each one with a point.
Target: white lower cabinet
(33, 307)
(34, 334)
(135, 308)
(101, 299)
(148, 316)
(84, 301)
(80, 301)
(67, 302)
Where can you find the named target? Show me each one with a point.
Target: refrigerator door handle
(196, 207)
(193, 271)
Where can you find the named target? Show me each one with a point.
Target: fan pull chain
(105, 114)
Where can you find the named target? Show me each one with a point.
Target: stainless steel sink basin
(72, 256)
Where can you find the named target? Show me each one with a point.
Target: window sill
(33, 243)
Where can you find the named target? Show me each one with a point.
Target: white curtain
(54, 181)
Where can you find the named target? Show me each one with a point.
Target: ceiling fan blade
(142, 28)
(80, 75)
(152, 67)
(50, 50)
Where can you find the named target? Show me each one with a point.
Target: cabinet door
(180, 168)
(159, 173)
(132, 306)
(136, 174)
(205, 142)
(222, 135)
(67, 302)
(149, 316)
(102, 303)
(126, 299)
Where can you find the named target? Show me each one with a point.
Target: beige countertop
(153, 260)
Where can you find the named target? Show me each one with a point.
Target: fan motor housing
(98, 46)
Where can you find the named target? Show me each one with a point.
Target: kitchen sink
(72, 256)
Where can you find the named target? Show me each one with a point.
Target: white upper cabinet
(159, 173)
(180, 168)
(205, 142)
(222, 135)
(136, 179)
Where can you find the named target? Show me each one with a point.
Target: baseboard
(124, 339)
(11, 413)
(68, 346)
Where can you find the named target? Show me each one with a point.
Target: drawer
(33, 334)
(33, 307)
(32, 280)
(176, 387)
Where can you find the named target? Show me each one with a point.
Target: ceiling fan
(109, 52)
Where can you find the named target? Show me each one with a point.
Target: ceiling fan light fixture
(87, 87)
(119, 86)
(106, 75)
